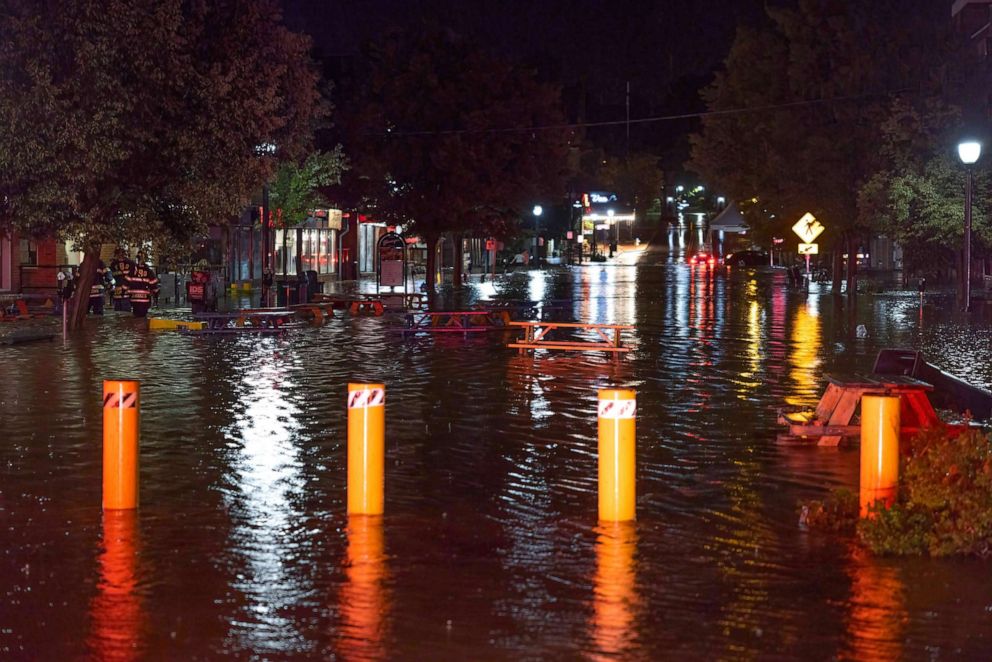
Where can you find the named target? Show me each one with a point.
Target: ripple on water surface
(489, 548)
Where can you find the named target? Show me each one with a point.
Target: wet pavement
(490, 547)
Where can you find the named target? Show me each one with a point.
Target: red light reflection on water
(615, 600)
(116, 611)
(363, 600)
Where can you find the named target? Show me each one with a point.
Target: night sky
(667, 49)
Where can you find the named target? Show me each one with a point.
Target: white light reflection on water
(267, 485)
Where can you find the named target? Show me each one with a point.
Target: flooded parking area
(490, 546)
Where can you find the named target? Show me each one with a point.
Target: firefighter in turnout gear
(142, 285)
(97, 289)
(120, 267)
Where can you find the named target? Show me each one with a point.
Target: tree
(133, 120)
(297, 188)
(799, 105)
(917, 197)
(445, 139)
(636, 180)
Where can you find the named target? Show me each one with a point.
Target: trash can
(287, 293)
(313, 285)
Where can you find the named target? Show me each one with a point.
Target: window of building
(29, 253)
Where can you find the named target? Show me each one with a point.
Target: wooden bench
(833, 419)
(608, 337)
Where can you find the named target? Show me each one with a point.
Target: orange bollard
(366, 448)
(879, 450)
(120, 444)
(617, 493)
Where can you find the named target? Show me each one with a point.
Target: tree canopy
(800, 102)
(128, 120)
(440, 134)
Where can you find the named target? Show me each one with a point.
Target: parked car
(702, 259)
(746, 259)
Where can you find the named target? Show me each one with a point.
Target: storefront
(311, 246)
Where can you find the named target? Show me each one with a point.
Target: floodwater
(490, 548)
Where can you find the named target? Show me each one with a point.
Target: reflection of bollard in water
(617, 493)
(116, 611)
(120, 444)
(366, 448)
(362, 601)
(879, 450)
(615, 595)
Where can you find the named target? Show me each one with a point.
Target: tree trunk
(431, 240)
(852, 265)
(81, 296)
(457, 241)
(838, 268)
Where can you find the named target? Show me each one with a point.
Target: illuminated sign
(808, 228)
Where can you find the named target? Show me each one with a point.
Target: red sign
(490, 244)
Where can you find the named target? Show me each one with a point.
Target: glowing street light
(969, 151)
(538, 210)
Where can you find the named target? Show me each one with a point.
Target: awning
(729, 220)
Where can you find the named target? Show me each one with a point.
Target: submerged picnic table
(455, 321)
(524, 308)
(833, 419)
(607, 337)
(256, 320)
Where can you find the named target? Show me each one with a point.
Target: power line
(650, 120)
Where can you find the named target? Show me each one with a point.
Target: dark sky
(667, 49)
(650, 43)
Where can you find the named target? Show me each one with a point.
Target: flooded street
(490, 547)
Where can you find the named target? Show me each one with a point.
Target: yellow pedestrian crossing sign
(808, 228)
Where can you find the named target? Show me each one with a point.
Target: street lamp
(969, 151)
(537, 211)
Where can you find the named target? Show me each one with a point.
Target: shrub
(944, 506)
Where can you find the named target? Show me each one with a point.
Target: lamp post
(537, 211)
(969, 151)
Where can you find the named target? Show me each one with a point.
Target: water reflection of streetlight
(969, 151)
(537, 211)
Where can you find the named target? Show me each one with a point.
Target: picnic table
(833, 419)
(18, 306)
(263, 320)
(356, 304)
(523, 308)
(316, 313)
(606, 337)
(454, 321)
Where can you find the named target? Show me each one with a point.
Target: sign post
(808, 229)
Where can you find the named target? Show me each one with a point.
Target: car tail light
(712, 261)
(692, 260)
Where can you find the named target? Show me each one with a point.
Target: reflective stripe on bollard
(617, 451)
(121, 417)
(366, 448)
